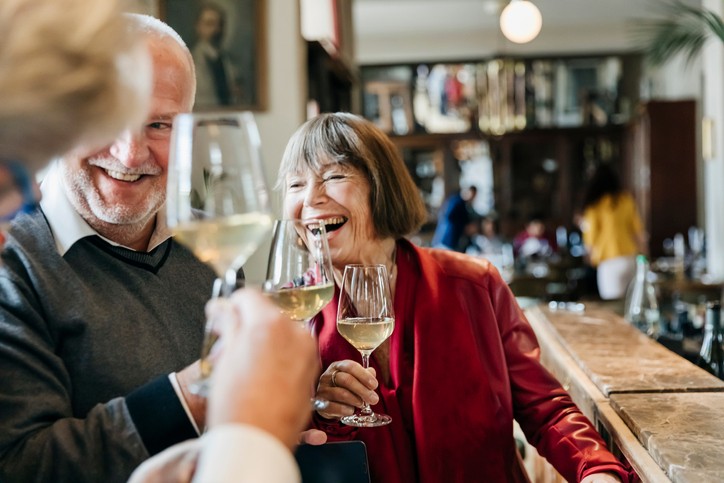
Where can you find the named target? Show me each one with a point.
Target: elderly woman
(462, 362)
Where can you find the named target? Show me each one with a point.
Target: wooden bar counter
(655, 409)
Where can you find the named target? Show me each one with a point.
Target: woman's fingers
(337, 410)
(314, 437)
(346, 385)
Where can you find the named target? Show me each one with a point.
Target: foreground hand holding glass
(217, 202)
(365, 318)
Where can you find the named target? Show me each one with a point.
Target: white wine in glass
(217, 201)
(299, 275)
(365, 318)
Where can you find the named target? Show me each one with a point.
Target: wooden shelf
(331, 77)
(524, 181)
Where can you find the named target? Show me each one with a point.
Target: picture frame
(227, 42)
(586, 90)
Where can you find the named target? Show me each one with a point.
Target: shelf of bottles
(500, 95)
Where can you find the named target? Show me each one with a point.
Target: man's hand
(196, 403)
(173, 465)
(264, 370)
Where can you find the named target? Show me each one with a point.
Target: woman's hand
(601, 478)
(347, 386)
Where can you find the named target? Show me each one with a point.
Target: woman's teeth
(122, 176)
(332, 224)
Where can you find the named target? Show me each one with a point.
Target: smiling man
(98, 305)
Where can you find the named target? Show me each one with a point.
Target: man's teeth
(122, 176)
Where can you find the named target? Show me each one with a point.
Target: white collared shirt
(242, 453)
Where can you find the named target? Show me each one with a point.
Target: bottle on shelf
(711, 356)
(641, 308)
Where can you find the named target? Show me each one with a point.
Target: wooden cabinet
(544, 171)
(660, 168)
(331, 79)
(535, 172)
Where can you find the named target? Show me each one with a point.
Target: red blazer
(463, 363)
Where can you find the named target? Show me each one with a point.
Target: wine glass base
(366, 421)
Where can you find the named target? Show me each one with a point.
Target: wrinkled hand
(263, 368)
(601, 478)
(173, 465)
(313, 437)
(346, 385)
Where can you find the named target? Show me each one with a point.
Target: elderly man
(98, 305)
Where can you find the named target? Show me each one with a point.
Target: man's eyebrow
(163, 117)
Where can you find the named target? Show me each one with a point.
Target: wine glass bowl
(217, 201)
(365, 319)
(299, 274)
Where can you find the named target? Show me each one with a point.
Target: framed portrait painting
(226, 39)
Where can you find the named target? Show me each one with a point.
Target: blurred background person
(486, 239)
(612, 232)
(455, 215)
(216, 82)
(487, 243)
(534, 240)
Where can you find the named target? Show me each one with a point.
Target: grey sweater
(86, 343)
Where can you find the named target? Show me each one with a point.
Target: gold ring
(333, 380)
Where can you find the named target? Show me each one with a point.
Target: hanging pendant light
(520, 21)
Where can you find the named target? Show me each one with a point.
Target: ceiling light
(520, 21)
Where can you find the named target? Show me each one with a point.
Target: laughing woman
(462, 362)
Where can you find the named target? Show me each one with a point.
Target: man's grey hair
(152, 26)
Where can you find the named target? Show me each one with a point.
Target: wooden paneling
(661, 168)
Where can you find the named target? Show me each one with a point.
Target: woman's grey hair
(72, 72)
(395, 202)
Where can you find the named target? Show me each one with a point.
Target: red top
(463, 362)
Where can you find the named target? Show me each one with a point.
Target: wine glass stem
(229, 282)
(366, 409)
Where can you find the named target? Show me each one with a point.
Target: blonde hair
(395, 202)
(71, 72)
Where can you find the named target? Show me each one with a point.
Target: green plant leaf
(681, 29)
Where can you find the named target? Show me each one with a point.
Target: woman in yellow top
(612, 232)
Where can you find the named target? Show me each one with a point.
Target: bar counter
(654, 408)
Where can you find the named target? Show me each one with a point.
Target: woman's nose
(314, 194)
(130, 148)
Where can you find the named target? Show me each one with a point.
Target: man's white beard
(87, 200)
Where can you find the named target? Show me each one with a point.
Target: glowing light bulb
(520, 21)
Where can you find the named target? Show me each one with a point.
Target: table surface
(663, 413)
(681, 431)
(620, 359)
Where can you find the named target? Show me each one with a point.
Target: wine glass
(365, 318)
(299, 275)
(217, 201)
